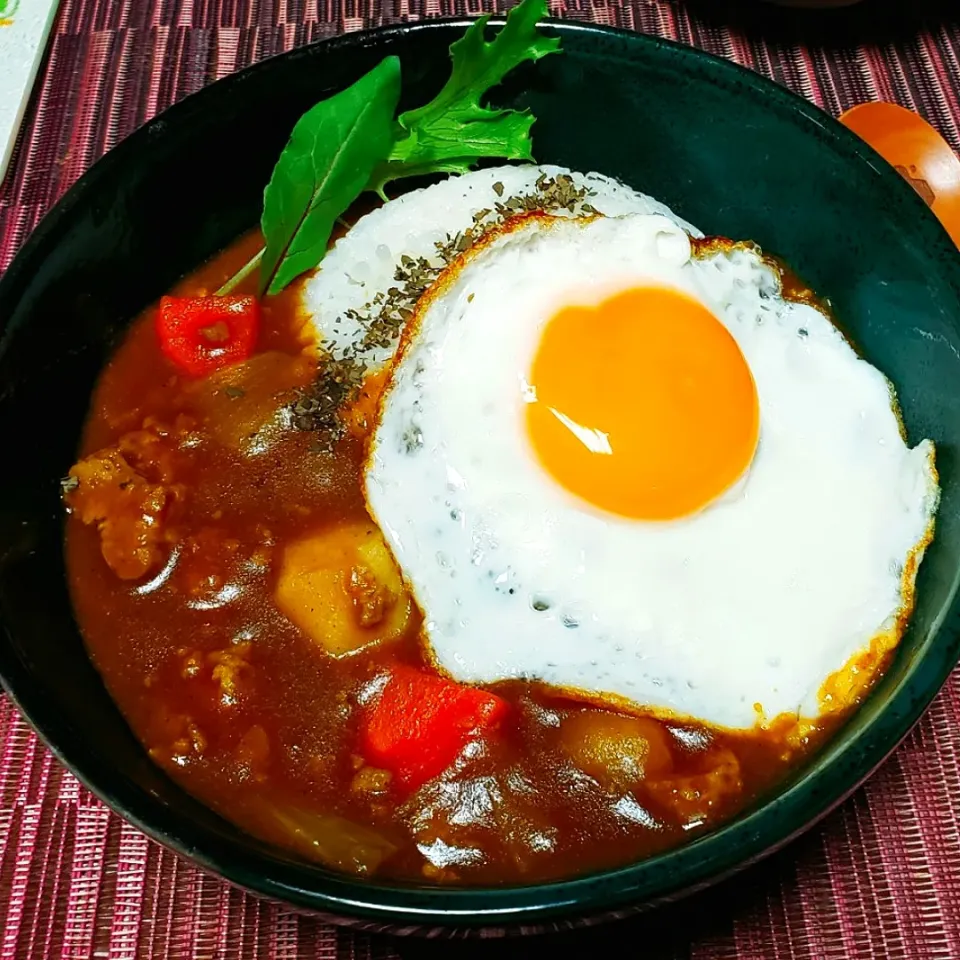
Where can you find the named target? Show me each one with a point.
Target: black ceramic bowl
(731, 152)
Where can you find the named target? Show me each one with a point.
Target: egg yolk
(643, 405)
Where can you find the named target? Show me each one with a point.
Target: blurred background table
(880, 878)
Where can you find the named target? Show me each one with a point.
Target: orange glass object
(645, 406)
(907, 142)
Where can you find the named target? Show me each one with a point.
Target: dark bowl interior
(729, 151)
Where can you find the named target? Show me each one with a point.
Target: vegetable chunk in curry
(252, 625)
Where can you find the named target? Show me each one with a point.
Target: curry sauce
(190, 499)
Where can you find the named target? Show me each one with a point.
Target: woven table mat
(879, 878)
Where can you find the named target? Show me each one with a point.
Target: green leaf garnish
(351, 142)
(324, 167)
(454, 130)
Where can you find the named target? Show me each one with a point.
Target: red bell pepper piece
(203, 334)
(421, 722)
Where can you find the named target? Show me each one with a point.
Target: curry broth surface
(251, 716)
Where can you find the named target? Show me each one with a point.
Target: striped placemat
(880, 878)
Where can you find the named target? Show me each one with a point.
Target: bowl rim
(731, 847)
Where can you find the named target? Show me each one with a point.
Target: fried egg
(641, 475)
(347, 294)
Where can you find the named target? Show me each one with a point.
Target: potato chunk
(343, 589)
(620, 752)
(695, 797)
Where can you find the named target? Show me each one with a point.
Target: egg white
(751, 603)
(363, 263)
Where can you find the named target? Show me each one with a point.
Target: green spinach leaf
(328, 161)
